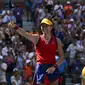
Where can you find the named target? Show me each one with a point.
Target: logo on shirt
(53, 43)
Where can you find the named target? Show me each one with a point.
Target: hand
(51, 70)
(11, 24)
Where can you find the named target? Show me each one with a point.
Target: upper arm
(30, 36)
(60, 48)
(33, 37)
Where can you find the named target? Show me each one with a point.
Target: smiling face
(46, 26)
(46, 29)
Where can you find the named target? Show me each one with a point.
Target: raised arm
(32, 37)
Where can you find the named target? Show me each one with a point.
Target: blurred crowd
(17, 55)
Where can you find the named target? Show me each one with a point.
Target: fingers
(11, 24)
(12, 21)
(50, 70)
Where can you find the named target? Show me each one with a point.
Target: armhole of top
(38, 41)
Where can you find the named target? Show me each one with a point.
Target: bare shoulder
(58, 40)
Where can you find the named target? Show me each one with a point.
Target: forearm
(22, 32)
(32, 37)
(61, 59)
(60, 52)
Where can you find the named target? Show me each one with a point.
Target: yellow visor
(83, 72)
(46, 21)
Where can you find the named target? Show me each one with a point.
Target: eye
(44, 26)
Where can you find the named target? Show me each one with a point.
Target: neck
(47, 37)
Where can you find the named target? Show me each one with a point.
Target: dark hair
(53, 32)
